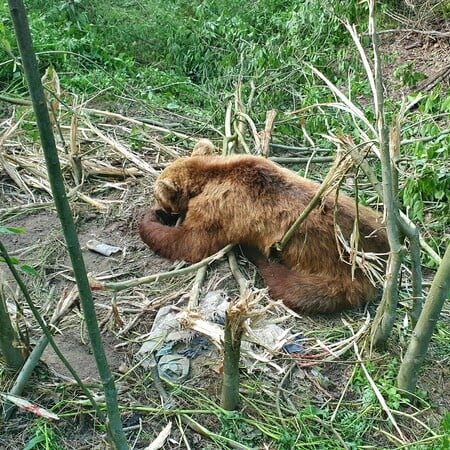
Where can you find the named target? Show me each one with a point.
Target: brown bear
(251, 201)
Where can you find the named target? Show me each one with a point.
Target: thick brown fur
(251, 201)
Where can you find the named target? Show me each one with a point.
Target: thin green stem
(31, 71)
(44, 327)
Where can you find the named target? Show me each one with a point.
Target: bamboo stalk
(30, 67)
(266, 134)
(146, 168)
(142, 124)
(233, 332)
(386, 311)
(332, 177)
(44, 327)
(9, 339)
(127, 284)
(423, 331)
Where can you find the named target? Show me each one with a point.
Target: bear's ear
(166, 190)
(203, 147)
(167, 196)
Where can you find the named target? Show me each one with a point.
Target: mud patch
(78, 352)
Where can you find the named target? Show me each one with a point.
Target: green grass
(45, 437)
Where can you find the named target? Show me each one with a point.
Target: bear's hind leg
(310, 293)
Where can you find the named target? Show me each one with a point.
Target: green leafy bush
(214, 44)
(425, 167)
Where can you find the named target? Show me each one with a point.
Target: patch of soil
(43, 243)
(79, 355)
(415, 61)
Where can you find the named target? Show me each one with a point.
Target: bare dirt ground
(315, 381)
(426, 56)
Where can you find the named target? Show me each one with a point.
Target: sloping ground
(416, 61)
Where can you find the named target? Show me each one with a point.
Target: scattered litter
(270, 336)
(179, 335)
(100, 247)
(197, 346)
(166, 349)
(295, 345)
(174, 368)
(214, 306)
(165, 324)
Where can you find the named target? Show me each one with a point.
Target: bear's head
(176, 184)
(170, 194)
